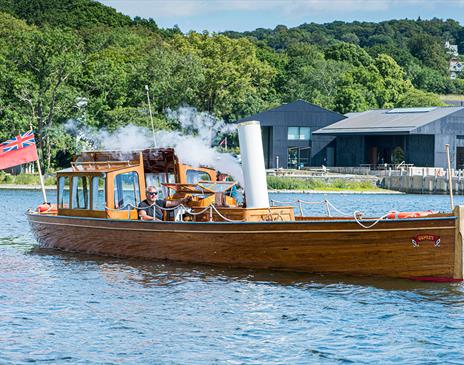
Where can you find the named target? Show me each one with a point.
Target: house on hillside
(288, 135)
(455, 65)
(414, 135)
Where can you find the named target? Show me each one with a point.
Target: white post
(450, 177)
(151, 116)
(254, 171)
(42, 184)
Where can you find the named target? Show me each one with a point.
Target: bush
(25, 179)
(291, 183)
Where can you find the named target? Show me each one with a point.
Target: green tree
(394, 82)
(430, 51)
(418, 98)
(46, 67)
(350, 53)
(233, 74)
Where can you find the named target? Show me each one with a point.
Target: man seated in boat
(149, 209)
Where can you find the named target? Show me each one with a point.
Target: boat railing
(329, 207)
(182, 209)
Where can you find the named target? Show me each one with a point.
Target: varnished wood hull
(322, 246)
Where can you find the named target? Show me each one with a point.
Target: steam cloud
(192, 143)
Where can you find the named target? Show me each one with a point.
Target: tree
(430, 51)
(46, 65)
(233, 74)
(395, 83)
(418, 98)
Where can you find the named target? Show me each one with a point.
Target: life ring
(403, 215)
(46, 208)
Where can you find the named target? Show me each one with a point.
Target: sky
(242, 15)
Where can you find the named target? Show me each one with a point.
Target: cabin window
(63, 192)
(194, 176)
(126, 190)
(98, 193)
(80, 192)
(299, 133)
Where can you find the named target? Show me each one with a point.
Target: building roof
(296, 106)
(388, 121)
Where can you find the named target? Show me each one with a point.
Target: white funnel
(254, 171)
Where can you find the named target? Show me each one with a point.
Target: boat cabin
(111, 184)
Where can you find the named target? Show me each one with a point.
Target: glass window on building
(299, 133)
(126, 190)
(298, 157)
(80, 192)
(98, 193)
(63, 192)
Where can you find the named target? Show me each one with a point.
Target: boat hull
(320, 246)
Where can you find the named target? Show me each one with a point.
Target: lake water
(62, 308)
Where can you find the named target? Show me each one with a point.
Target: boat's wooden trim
(317, 220)
(250, 232)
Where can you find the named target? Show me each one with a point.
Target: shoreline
(26, 187)
(378, 192)
(281, 191)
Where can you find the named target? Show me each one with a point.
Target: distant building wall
(275, 124)
(420, 150)
(349, 150)
(319, 150)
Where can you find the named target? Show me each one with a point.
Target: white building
(455, 66)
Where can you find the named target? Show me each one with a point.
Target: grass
(452, 97)
(289, 183)
(25, 179)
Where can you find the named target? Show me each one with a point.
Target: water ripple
(60, 308)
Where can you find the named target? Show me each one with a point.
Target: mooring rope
(357, 215)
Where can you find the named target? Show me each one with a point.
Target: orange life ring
(402, 215)
(46, 208)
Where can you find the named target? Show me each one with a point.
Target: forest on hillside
(64, 60)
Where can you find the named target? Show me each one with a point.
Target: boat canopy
(155, 160)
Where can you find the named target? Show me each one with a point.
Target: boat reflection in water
(96, 213)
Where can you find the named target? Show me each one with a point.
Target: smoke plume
(192, 143)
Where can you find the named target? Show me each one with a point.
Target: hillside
(416, 45)
(69, 13)
(70, 67)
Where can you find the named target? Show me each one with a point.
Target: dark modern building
(414, 135)
(288, 135)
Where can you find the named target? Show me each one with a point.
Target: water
(76, 309)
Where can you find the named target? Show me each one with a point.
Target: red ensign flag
(18, 150)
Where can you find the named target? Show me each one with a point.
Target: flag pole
(42, 184)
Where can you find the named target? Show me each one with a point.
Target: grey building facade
(289, 138)
(414, 135)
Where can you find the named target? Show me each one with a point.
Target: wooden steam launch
(96, 213)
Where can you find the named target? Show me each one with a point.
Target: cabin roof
(93, 168)
(154, 159)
